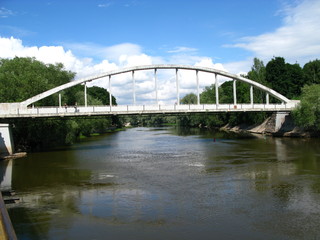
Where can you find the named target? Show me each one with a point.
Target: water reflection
(167, 183)
(6, 175)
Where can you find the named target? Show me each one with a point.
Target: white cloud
(104, 5)
(4, 13)
(134, 60)
(182, 50)
(115, 57)
(113, 53)
(298, 39)
(116, 51)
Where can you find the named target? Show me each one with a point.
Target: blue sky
(159, 27)
(99, 35)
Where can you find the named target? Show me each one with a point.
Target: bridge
(25, 109)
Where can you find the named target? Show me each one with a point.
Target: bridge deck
(141, 109)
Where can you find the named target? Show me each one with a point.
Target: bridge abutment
(280, 119)
(6, 141)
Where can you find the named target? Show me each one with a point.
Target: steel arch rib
(151, 67)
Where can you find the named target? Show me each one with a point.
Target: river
(168, 183)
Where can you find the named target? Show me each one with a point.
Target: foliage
(22, 78)
(258, 72)
(243, 92)
(201, 120)
(190, 98)
(284, 78)
(209, 94)
(311, 72)
(307, 114)
(149, 120)
(101, 94)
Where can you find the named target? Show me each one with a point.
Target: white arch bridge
(25, 110)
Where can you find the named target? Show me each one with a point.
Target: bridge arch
(257, 85)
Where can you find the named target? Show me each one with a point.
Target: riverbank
(287, 129)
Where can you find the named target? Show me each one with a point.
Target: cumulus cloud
(115, 57)
(112, 53)
(297, 39)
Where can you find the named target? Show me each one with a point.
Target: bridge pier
(280, 119)
(6, 141)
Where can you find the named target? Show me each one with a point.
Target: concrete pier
(280, 119)
(6, 142)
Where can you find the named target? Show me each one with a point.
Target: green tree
(22, 78)
(190, 98)
(311, 72)
(208, 96)
(258, 74)
(242, 90)
(101, 94)
(284, 78)
(307, 114)
(276, 74)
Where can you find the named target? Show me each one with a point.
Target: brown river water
(168, 183)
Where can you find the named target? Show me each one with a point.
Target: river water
(169, 183)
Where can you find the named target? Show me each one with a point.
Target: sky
(94, 36)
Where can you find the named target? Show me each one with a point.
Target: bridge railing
(141, 109)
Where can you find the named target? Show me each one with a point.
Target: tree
(307, 114)
(284, 78)
(190, 98)
(243, 92)
(22, 78)
(258, 72)
(101, 94)
(311, 72)
(209, 94)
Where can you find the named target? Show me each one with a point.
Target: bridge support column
(110, 95)
(280, 118)
(6, 141)
(251, 95)
(85, 95)
(59, 100)
(198, 94)
(234, 92)
(134, 88)
(217, 88)
(156, 85)
(178, 91)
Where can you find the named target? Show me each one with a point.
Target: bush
(307, 114)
